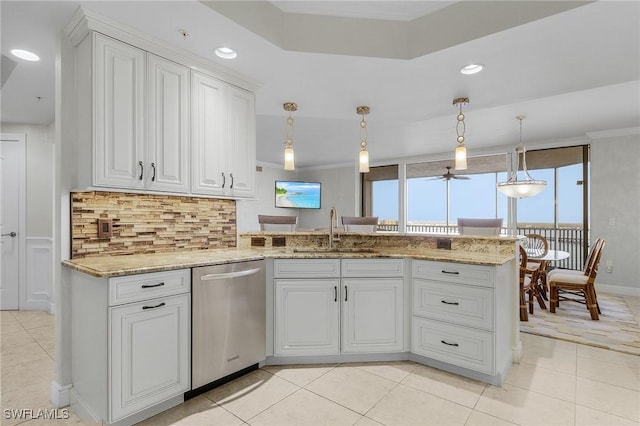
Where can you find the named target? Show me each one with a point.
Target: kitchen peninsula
(370, 297)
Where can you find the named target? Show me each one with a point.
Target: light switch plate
(105, 228)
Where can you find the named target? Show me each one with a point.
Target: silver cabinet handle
(141, 170)
(10, 234)
(231, 174)
(225, 275)
(153, 168)
(224, 179)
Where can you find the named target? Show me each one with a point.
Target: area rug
(617, 328)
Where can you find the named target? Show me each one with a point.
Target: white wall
(37, 293)
(247, 211)
(615, 210)
(339, 189)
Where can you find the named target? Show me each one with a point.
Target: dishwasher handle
(226, 275)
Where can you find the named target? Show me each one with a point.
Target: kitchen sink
(333, 250)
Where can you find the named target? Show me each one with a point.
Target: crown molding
(629, 131)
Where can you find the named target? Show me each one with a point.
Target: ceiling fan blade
(461, 177)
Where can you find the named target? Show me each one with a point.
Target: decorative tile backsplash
(144, 223)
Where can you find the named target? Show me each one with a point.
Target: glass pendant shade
(289, 159)
(521, 188)
(461, 158)
(363, 161)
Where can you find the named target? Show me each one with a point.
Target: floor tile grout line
(605, 412)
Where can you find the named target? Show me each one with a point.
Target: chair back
(591, 258)
(523, 266)
(489, 227)
(360, 224)
(277, 223)
(596, 263)
(537, 246)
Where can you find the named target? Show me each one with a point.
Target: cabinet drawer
(134, 288)
(372, 268)
(306, 268)
(456, 345)
(456, 303)
(455, 273)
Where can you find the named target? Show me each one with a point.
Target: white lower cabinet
(150, 344)
(372, 315)
(307, 317)
(131, 344)
(318, 313)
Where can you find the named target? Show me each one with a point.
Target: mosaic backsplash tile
(144, 223)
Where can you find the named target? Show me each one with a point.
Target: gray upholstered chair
(277, 223)
(360, 224)
(488, 227)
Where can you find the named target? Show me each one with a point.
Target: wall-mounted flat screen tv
(297, 195)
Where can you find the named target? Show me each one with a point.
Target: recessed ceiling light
(471, 69)
(226, 53)
(25, 54)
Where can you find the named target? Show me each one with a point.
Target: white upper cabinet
(146, 120)
(118, 106)
(168, 134)
(223, 138)
(134, 91)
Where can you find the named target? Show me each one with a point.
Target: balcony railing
(566, 239)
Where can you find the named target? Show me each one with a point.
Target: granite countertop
(113, 266)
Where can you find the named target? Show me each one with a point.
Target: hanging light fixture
(363, 157)
(289, 161)
(461, 150)
(527, 187)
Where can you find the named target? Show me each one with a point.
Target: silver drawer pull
(153, 307)
(152, 285)
(449, 344)
(451, 272)
(449, 303)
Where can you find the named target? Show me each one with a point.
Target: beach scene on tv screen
(301, 195)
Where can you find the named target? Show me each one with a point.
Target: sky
(476, 197)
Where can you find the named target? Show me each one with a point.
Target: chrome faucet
(333, 216)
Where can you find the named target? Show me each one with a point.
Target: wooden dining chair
(575, 286)
(277, 223)
(527, 287)
(537, 247)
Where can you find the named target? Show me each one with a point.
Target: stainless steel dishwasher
(228, 328)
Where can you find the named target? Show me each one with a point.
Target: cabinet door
(242, 142)
(372, 315)
(307, 317)
(150, 353)
(118, 133)
(208, 130)
(167, 164)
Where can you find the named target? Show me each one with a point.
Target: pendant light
(289, 160)
(527, 187)
(461, 150)
(363, 157)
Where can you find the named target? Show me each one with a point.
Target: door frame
(22, 241)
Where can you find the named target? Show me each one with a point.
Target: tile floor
(557, 383)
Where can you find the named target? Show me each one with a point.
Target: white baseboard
(618, 290)
(60, 394)
(37, 294)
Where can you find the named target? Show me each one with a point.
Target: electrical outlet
(609, 266)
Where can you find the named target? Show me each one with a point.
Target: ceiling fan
(449, 176)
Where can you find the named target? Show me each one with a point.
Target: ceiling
(571, 67)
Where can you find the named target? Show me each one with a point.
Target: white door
(12, 158)
(372, 315)
(242, 142)
(168, 108)
(150, 353)
(208, 130)
(307, 317)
